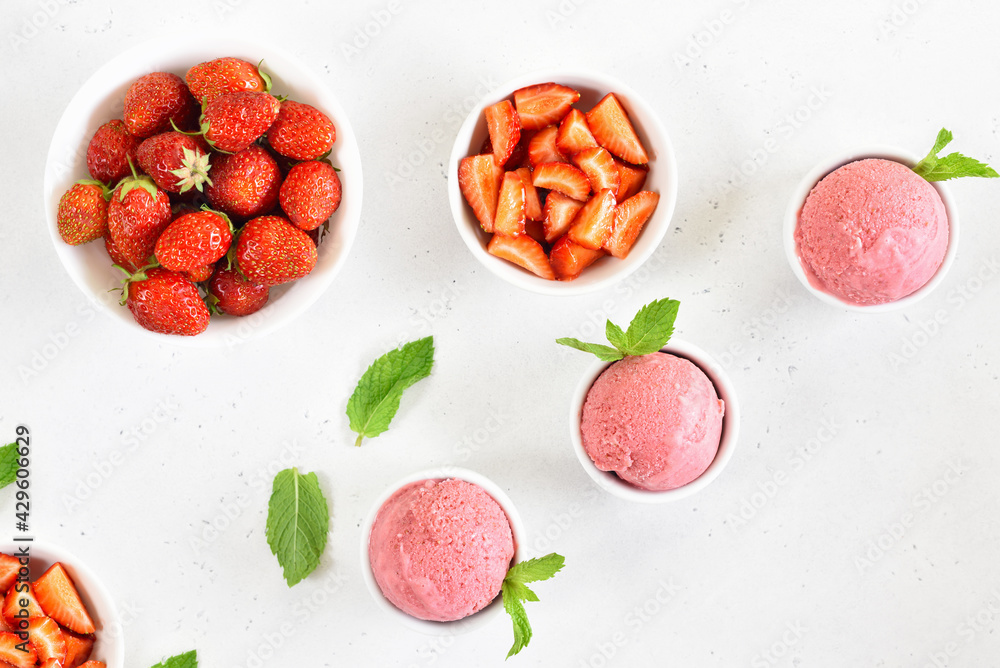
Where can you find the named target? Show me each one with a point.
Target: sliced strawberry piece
(599, 167)
(568, 258)
(47, 639)
(542, 147)
(59, 599)
(542, 104)
(574, 133)
(594, 222)
(94, 664)
(630, 216)
(519, 158)
(21, 595)
(631, 178)
(10, 653)
(565, 178)
(51, 663)
(9, 567)
(532, 203)
(560, 210)
(524, 251)
(505, 129)
(78, 649)
(479, 177)
(509, 220)
(613, 130)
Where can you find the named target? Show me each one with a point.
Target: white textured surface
(855, 427)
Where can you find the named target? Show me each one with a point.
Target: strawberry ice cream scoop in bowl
(105, 97)
(657, 427)
(436, 548)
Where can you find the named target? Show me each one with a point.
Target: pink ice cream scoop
(655, 420)
(872, 232)
(440, 549)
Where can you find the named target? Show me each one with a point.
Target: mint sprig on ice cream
(951, 166)
(515, 591)
(648, 332)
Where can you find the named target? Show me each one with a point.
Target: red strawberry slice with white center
(568, 258)
(60, 600)
(543, 104)
(524, 251)
(510, 206)
(47, 639)
(479, 178)
(565, 178)
(599, 167)
(574, 133)
(21, 592)
(630, 217)
(594, 222)
(560, 210)
(9, 652)
(504, 128)
(613, 130)
(532, 202)
(542, 147)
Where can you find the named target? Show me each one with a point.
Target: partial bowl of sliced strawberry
(288, 139)
(598, 181)
(70, 616)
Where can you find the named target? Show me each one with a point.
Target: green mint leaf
(515, 591)
(651, 327)
(951, 166)
(533, 570)
(604, 353)
(616, 336)
(8, 464)
(522, 628)
(297, 523)
(376, 397)
(185, 660)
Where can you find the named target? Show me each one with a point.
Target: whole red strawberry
(137, 214)
(233, 121)
(109, 151)
(83, 212)
(209, 80)
(232, 293)
(301, 131)
(310, 194)
(271, 251)
(166, 302)
(177, 162)
(156, 99)
(245, 184)
(194, 240)
(116, 255)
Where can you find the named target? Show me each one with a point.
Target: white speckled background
(857, 522)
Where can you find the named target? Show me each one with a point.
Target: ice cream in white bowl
(865, 233)
(416, 543)
(661, 179)
(100, 99)
(689, 421)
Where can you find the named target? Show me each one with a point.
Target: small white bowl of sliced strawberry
(55, 612)
(562, 182)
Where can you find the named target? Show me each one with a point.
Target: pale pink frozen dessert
(655, 420)
(872, 232)
(440, 549)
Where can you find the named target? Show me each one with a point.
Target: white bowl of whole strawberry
(562, 182)
(208, 192)
(55, 612)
